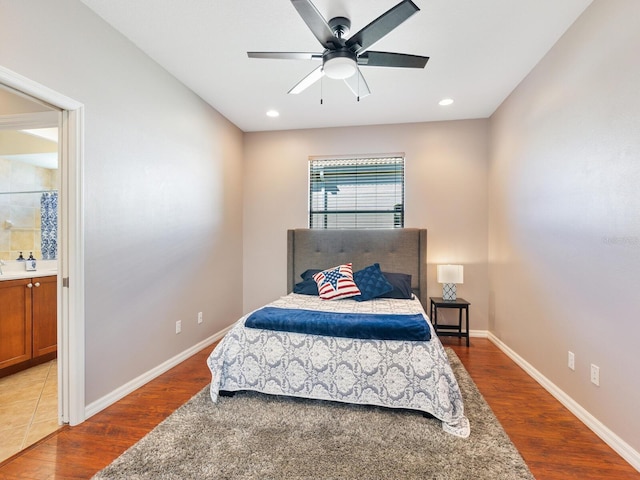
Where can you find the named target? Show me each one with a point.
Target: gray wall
(446, 192)
(163, 190)
(564, 222)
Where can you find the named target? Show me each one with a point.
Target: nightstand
(444, 330)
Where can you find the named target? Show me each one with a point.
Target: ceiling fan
(342, 57)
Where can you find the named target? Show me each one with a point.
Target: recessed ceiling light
(273, 113)
(445, 101)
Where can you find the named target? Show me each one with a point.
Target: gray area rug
(258, 436)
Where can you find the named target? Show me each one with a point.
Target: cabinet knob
(29, 285)
(37, 284)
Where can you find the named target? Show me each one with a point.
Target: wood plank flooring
(554, 443)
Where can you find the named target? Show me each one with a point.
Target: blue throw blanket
(351, 325)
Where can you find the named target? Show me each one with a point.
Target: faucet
(1, 264)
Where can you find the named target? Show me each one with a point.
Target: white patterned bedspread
(388, 373)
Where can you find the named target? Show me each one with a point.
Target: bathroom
(29, 179)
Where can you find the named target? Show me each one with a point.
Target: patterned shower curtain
(49, 225)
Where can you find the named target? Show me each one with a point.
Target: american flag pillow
(336, 282)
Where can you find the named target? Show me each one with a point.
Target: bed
(383, 371)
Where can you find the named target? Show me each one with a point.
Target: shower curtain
(49, 225)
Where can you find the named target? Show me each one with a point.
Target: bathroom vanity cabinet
(28, 322)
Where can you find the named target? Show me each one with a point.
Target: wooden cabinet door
(45, 315)
(15, 322)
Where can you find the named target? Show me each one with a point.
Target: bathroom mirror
(29, 177)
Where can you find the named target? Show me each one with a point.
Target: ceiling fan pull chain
(321, 90)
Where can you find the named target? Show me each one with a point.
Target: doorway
(70, 276)
(29, 185)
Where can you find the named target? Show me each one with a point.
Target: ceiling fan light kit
(342, 58)
(339, 64)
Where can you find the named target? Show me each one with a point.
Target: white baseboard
(479, 333)
(146, 377)
(610, 438)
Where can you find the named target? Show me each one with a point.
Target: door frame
(71, 345)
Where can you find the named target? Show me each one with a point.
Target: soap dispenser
(20, 258)
(30, 264)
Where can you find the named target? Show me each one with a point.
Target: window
(356, 193)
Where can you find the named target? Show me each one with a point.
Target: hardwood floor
(553, 442)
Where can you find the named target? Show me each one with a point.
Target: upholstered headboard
(401, 250)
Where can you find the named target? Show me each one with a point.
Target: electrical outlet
(572, 361)
(178, 326)
(199, 317)
(595, 374)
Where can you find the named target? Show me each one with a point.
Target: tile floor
(28, 407)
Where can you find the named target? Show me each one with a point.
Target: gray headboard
(401, 250)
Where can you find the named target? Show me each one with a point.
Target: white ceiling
(479, 51)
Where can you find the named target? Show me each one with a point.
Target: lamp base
(449, 291)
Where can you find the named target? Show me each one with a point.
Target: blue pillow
(401, 286)
(306, 287)
(371, 283)
(309, 273)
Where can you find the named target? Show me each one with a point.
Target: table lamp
(449, 276)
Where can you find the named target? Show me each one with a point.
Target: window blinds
(356, 193)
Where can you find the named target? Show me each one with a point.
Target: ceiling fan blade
(358, 85)
(286, 55)
(386, 59)
(316, 22)
(382, 25)
(307, 81)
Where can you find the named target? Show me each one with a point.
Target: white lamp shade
(340, 68)
(450, 274)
